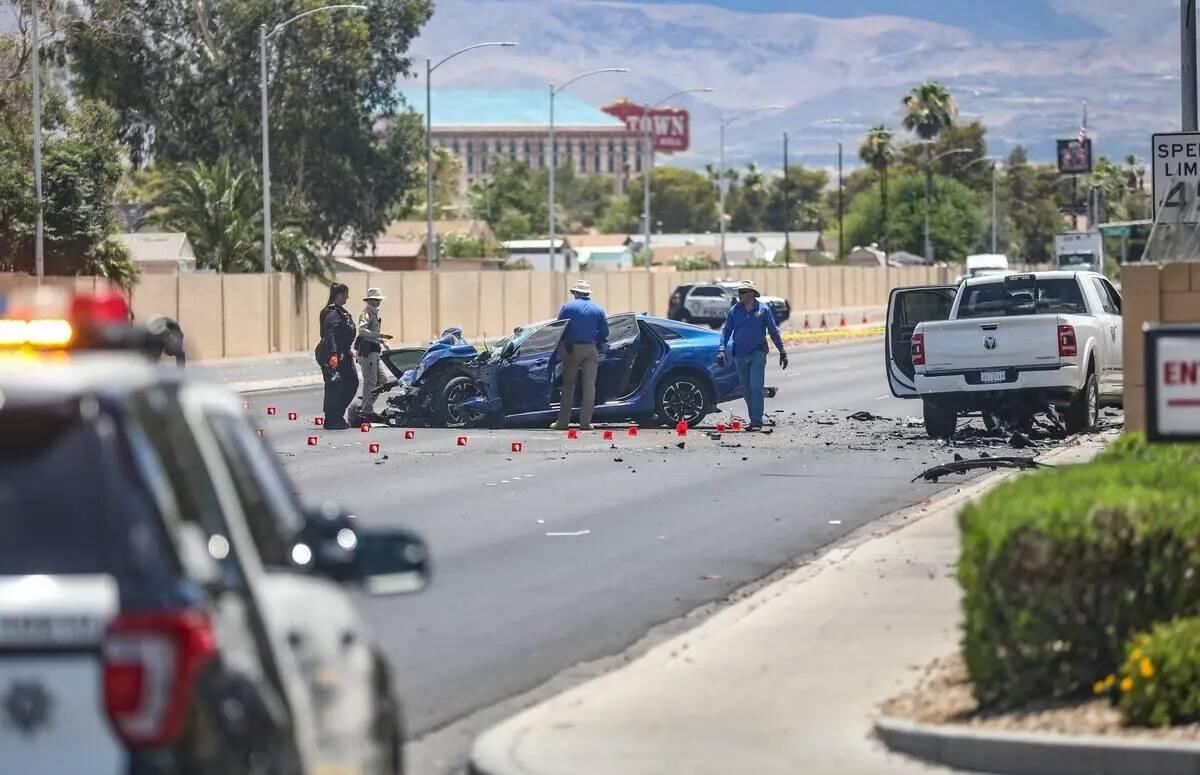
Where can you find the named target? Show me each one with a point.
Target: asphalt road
(571, 550)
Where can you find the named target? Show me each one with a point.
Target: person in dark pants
(586, 333)
(335, 355)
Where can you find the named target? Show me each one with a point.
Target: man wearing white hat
(369, 345)
(587, 330)
(747, 327)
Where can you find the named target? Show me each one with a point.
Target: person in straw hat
(748, 324)
(369, 346)
(586, 331)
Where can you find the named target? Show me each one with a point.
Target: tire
(1083, 414)
(454, 390)
(684, 317)
(682, 396)
(940, 422)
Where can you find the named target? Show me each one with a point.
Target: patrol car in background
(166, 604)
(708, 303)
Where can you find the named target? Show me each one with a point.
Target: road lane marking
(568, 535)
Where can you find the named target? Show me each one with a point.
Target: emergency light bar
(54, 319)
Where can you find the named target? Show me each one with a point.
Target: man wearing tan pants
(586, 332)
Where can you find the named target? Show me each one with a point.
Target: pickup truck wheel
(940, 422)
(1083, 414)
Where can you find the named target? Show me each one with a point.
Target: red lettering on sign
(1181, 373)
(670, 129)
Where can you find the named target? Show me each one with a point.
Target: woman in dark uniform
(336, 357)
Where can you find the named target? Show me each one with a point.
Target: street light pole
(554, 90)
(721, 183)
(787, 207)
(432, 254)
(929, 189)
(39, 259)
(841, 208)
(263, 38)
(648, 163)
(1187, 31)
(995, 221)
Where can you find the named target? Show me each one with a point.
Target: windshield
(1022, 297)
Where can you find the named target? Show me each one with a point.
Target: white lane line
(835, 522)
(576, 533)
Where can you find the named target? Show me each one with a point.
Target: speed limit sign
(1176, 176)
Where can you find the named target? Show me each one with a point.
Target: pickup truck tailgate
(1020, 341)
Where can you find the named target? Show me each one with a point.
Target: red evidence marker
(271, 411)
(410, 435)
(572, 434)
(608, 435)
(517, 446)
(633, 430)
(462, 441)
(312, 441)
(373, 447)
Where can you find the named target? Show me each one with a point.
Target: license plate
(989, 377)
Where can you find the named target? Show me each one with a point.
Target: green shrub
(1158, 684)
(1060, 568)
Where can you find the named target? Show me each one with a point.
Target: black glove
(721, 358)
(783, 361)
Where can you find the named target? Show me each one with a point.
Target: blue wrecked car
(651, 370)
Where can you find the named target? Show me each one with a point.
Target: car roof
(48, 379)
(1056, 275)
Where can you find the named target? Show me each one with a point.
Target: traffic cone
(608, 435)
(517, 446)
(681, 428)
(462, 441)
(807, 325)
(312, 441)
(823, 326)
(319, 421)
(365, 427)
(410, 435)
(843, 323)
(373, 448)
(633, 430)
(572, 434)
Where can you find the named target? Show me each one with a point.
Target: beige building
(482, 127)
(159, 252)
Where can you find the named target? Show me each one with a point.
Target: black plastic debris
(681, 444)
(865, 417)
(618, 460)
(990, 463)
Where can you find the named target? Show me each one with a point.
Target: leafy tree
(929, 110)
(183, 77)
(749, 203)
(512, 201)
(81, 166)
(513, 224)
(683, 200)
(447, 194)
(958, 220)
(697, 263)
(806, 187)
(621, 216)
(1028, 195)
(878, 151)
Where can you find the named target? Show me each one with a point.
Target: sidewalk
(785, 681)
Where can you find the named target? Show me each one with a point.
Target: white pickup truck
(1008, 348)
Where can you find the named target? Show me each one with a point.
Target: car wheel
(457, 390)
(682, 397)
(940, 422)
(684, 317)
(1083, 414)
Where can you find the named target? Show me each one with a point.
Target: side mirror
(383, 562)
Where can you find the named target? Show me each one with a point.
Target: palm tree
(219, 209)
(929, 110)
(877, 151)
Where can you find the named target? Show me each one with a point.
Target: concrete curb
(264, 386)
(1018, 753)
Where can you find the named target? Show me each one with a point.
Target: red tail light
(151, 661)
(1067, 346)
(918, 349)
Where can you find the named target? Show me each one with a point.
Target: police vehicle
(708, 303)
(166, 604)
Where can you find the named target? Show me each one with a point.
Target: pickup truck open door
(908, 307)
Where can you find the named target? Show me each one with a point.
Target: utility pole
(1187, 31)
(787, 207)
(841, 208)
(39, 258)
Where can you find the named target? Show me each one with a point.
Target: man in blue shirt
(748, 323)
(587, 330)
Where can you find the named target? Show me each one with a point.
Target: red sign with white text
(670, 128)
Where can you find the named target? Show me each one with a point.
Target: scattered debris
(990, 463)
(714, 436)
(681, 444)
(710, 577)
(1020, 441)
(618, 460)
(865, 417)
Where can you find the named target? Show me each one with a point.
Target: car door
(704, 302)
(402, 359)
(1114, 368)
(527, 376)
(328, 646)
(907, 308)
(617, 359)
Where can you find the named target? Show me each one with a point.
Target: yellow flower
(1099, 687)
(1143, 639)
(1126, 684)
(1135, 655)
(1109, 680)
(1146, 668)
